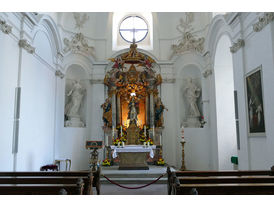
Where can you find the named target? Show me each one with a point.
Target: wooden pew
(37, 188)
(220, 182)
(90, 178)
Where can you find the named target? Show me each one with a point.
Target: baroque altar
(133, 110)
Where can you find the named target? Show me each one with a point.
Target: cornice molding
(237, 45)
(25, 45)
(168, 80)
(4, 27)
(96, 81)
(263, 21)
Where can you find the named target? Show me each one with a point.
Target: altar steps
(134, 176)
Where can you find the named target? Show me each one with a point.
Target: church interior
(137, 94)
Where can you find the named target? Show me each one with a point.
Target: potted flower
(149, 140)
(202, 121)
(116, 141)
(106, 162)
(160, 161)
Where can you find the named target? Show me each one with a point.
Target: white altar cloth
(133, 148)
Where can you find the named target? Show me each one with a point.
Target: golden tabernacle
(133, 110)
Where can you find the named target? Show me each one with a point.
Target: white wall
(8, 81)
(37, 106)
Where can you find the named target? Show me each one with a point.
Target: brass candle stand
(183, 155)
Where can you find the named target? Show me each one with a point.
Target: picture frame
(255, 103)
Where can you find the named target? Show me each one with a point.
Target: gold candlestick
(183, 154)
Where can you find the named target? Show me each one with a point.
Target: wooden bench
(91, 179)
(22, 186)
(220, 182)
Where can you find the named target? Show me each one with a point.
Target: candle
(145, 130)
(153, 132)
(112, 131)
(160, 139)
(121, 131)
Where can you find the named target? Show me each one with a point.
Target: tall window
(133, 28)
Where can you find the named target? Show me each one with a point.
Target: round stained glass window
(133, 28)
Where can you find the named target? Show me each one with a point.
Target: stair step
(163, 180)
(132, 175)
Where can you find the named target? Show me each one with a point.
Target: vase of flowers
(202, 121)
(106, 162)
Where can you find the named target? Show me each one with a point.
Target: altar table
(133, 157)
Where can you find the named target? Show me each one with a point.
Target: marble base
(133, 161)
(192, 122)
(74, 122)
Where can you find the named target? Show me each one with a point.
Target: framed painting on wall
(254, 91)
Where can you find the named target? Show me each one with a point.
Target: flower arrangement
(116, 141)
(202, 121)
(106, 162)
(149, 140)
(142, 138)
(123, 138)
(160, 161)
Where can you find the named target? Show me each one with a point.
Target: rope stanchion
(115, 183)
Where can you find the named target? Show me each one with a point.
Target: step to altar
(134, 176)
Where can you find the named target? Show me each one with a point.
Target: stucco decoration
(189, 41)
(263, 21)
(4, 27)
(78, 43)
(25, 45)
(80, 20)
(237, 45)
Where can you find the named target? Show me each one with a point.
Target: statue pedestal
(192, 122)
(74, 122)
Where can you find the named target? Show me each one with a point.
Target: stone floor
(134, 178)
(154, 189)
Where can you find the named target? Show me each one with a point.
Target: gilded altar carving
(132, 88)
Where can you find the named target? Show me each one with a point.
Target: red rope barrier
(133, 187)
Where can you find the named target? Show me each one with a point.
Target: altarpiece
(133, 110)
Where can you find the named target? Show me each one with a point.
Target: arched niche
(191, 73)
(75, 96)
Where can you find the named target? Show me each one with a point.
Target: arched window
(132, 26)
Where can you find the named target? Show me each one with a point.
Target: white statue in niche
(72, 115)
(192, 93)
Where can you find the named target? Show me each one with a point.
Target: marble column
(113, 104)
(147, 110)
(118, 109)
(151, 99)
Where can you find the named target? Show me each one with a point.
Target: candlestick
(112, 131)
(183, 155)
(153, 131)
(145, 130)
(121, 131)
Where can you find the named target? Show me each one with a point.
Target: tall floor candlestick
(183, 154)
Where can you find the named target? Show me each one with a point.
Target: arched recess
(198, 140)
(225, 108)
(76, 77)
(222, 112)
